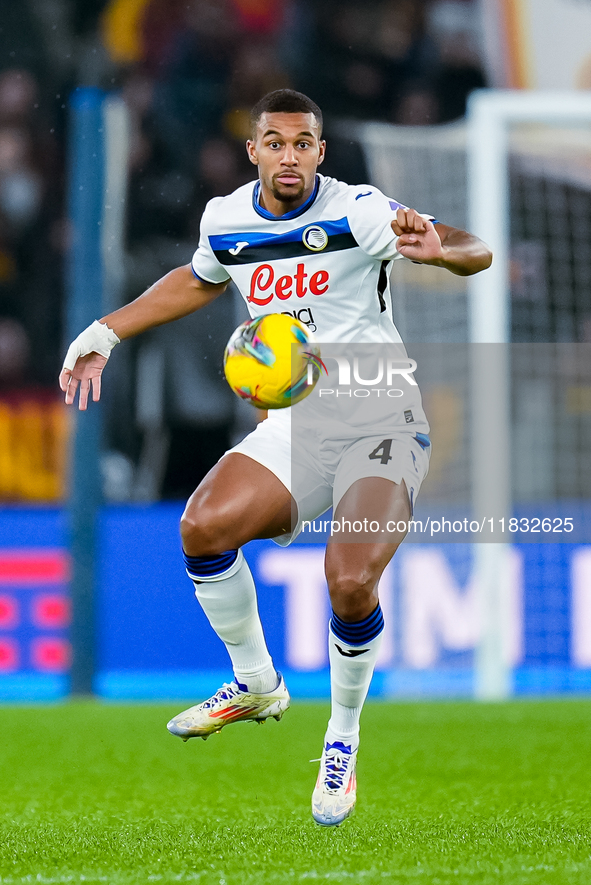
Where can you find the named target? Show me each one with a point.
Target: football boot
(231, 703)
(335, 792)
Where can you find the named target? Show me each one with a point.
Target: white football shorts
(317, 472)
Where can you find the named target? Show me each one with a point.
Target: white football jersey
(326, 263)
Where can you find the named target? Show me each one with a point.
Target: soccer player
(293, 241)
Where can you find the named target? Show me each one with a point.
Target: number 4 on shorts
(382, 453)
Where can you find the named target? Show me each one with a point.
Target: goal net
(518, 174)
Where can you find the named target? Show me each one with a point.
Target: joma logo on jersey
(263, 281)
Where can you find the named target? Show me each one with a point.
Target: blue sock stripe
(360, 632)
(209, 566)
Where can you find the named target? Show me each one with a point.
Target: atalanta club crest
(315, 238)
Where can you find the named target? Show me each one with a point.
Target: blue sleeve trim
(209, 282)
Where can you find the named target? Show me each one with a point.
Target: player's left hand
(417, 237)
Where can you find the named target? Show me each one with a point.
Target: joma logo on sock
(350, 653)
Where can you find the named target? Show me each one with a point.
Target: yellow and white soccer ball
(272, 361)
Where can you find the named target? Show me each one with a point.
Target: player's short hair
(284, 101)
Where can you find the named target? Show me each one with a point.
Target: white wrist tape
(97, 338)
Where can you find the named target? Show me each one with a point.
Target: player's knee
(204, 532)
(352, 591)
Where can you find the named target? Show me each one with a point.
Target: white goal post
(491, 114)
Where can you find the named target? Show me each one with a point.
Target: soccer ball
(272, 361)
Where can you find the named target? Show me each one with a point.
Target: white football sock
(230, 603)
(350, 676)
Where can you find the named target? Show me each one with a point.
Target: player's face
(287, 150)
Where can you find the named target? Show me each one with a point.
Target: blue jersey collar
(295, 213)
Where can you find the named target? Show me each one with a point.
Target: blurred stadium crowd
(189, 71)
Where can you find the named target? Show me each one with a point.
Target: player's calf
(225, 589)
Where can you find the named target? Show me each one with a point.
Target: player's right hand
(86, 373)
(85, 361)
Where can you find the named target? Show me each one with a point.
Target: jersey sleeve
(370, 214)
(204, 264)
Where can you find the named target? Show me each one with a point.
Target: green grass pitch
(448, 793)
